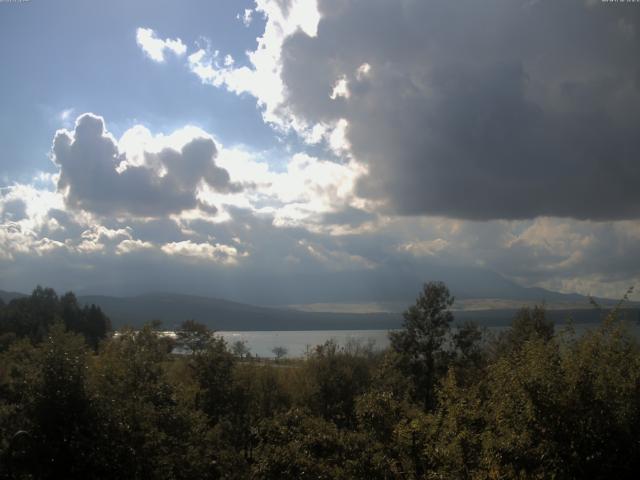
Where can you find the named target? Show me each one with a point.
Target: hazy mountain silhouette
(482, 295)
(226, 315)
(6, 297)
(218, 314)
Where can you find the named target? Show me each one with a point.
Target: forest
(445, 401)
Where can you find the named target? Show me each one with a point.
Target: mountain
(398, 285)
(393, 283)
(490, 310)
(172, 309)
(6, 297)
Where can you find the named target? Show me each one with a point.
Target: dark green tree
(335, 378)
(89, 320)
(420, 343)
(193, 336)
(300, 446)
(471, 356)
(62, 429)
(279, 352)
(240, 349)
(529, 324)
(33, 316)
(212, 366)
(144, 431)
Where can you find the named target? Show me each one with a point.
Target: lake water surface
(297, 343)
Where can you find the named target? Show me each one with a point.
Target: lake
(298, 342)
(262, 343)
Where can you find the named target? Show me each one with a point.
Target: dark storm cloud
(167, 183)
(481, 110)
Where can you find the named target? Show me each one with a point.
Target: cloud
(424, 247)
(599, 258)
(309, 192)
(158, 198)
(492, 111)
(486, 123)
(251, 257)
(340, 88)
(155, 48)
(224, 254)
(262, 77)
(475, 111)
(130, 246)
(14, 209)
(66, 115)
(246, 17)
(141, 175)
(161, 212)
(24, 216)
(182, 177)
(336, 260)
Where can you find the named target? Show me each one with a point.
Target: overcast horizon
(310, 151)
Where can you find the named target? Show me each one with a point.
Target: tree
(468, 342)
(297, 445)
(90, 321)
(194, 336)
(420, 342)
(279, 352)
(63, 434)
(145, 432)
(212, 368)
(334, 378)
(529, 324)
(33, 317)
(240, 349)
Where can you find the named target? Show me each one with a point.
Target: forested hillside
(442, 402)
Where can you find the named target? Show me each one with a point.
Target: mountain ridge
(229, 315)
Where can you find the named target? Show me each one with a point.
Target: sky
(309, 151)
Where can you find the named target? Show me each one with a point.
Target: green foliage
(265, 388)
(523, 410)
(602, 407)
(529, 324)
(301, 446)
(19, 372)
(240, 349)
(420, 343)
(61, 410)
(457, 427)
(335, 378)
(556, 407)
(32, 317)
(193, 336)
(468, 342)
(144, 432)
(440, 404)
(212, 367)
(379, 412)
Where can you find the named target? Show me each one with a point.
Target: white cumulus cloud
(141, 175)
(155, 48)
